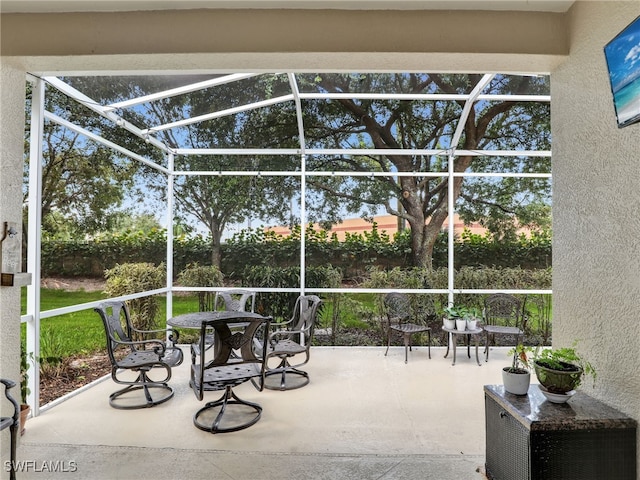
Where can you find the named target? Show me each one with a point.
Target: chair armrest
(159, 347)
(9, 384)
(174, 335)
(279, 325)
(284, 334)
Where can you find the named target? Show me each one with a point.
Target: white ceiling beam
(462, 120)
(218, 114)
(181, 90)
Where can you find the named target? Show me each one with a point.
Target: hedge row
(353, 256)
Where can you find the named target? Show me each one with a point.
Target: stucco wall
(596, 183)
(11, 145)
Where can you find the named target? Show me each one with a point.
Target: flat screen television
(623, 62)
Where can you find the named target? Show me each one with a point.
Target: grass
(357, 310)
(82, 333)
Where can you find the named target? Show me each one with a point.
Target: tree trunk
(216, 254)
(423, 239)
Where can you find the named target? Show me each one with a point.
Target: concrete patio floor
(363, 416)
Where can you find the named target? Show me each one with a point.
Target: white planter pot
(461, 325)
(516, 383)
(449, 323)
(472, 324)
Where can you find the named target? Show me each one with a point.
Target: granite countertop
(579, 413)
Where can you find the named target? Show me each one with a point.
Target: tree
(422, 201)
(419, 199)
(83, 182)
(217, 201)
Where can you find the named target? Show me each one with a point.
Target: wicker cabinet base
(528, 438)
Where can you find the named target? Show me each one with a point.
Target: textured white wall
(596, 206)
(11, 146)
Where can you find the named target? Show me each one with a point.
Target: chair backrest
(235, 301)
(397, 307)
(233, 346)
(117, 326)
(502, 309)
(305, 314)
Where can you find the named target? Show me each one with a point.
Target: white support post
(451, 228)
(303, 221)
(170, 207)
(34, 244)
(303, 179)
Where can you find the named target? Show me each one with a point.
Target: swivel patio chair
(235, 300)
(502, 315)
(234, 362)
(138, 356)
(12, 423)
(397, 314)
(292, 339)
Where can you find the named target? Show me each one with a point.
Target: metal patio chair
(502, 315)
(12, 423)
(235, 361)
(292, 339)
(237, 300)
(138, 356)
(397, 314)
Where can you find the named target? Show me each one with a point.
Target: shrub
(196, 275)
(129, 278)
(281, 304)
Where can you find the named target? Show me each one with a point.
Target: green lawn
(82, 333)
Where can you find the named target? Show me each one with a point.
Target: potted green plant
(25, 409)
(472, 316)
(517, 377)
(560, 371)
(461, 318)
(452, 314)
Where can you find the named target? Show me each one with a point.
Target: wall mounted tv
(623, 62)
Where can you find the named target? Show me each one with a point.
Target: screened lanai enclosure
(227, 157)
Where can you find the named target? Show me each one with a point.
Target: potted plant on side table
(472, 315)
(451, 315)
(560, 371)
(517, 377)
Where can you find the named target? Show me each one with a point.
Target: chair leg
(407, 346)
(388, 343)
(283, 370)
(145, 384)
(13, 431)
(486, 346)
(226, 400)
(429, 343)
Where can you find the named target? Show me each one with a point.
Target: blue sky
(623, 56)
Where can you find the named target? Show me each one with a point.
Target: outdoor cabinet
(530, 438)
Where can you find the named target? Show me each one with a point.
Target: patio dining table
(194, 320)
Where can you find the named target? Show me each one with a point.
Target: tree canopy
(341, 111)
